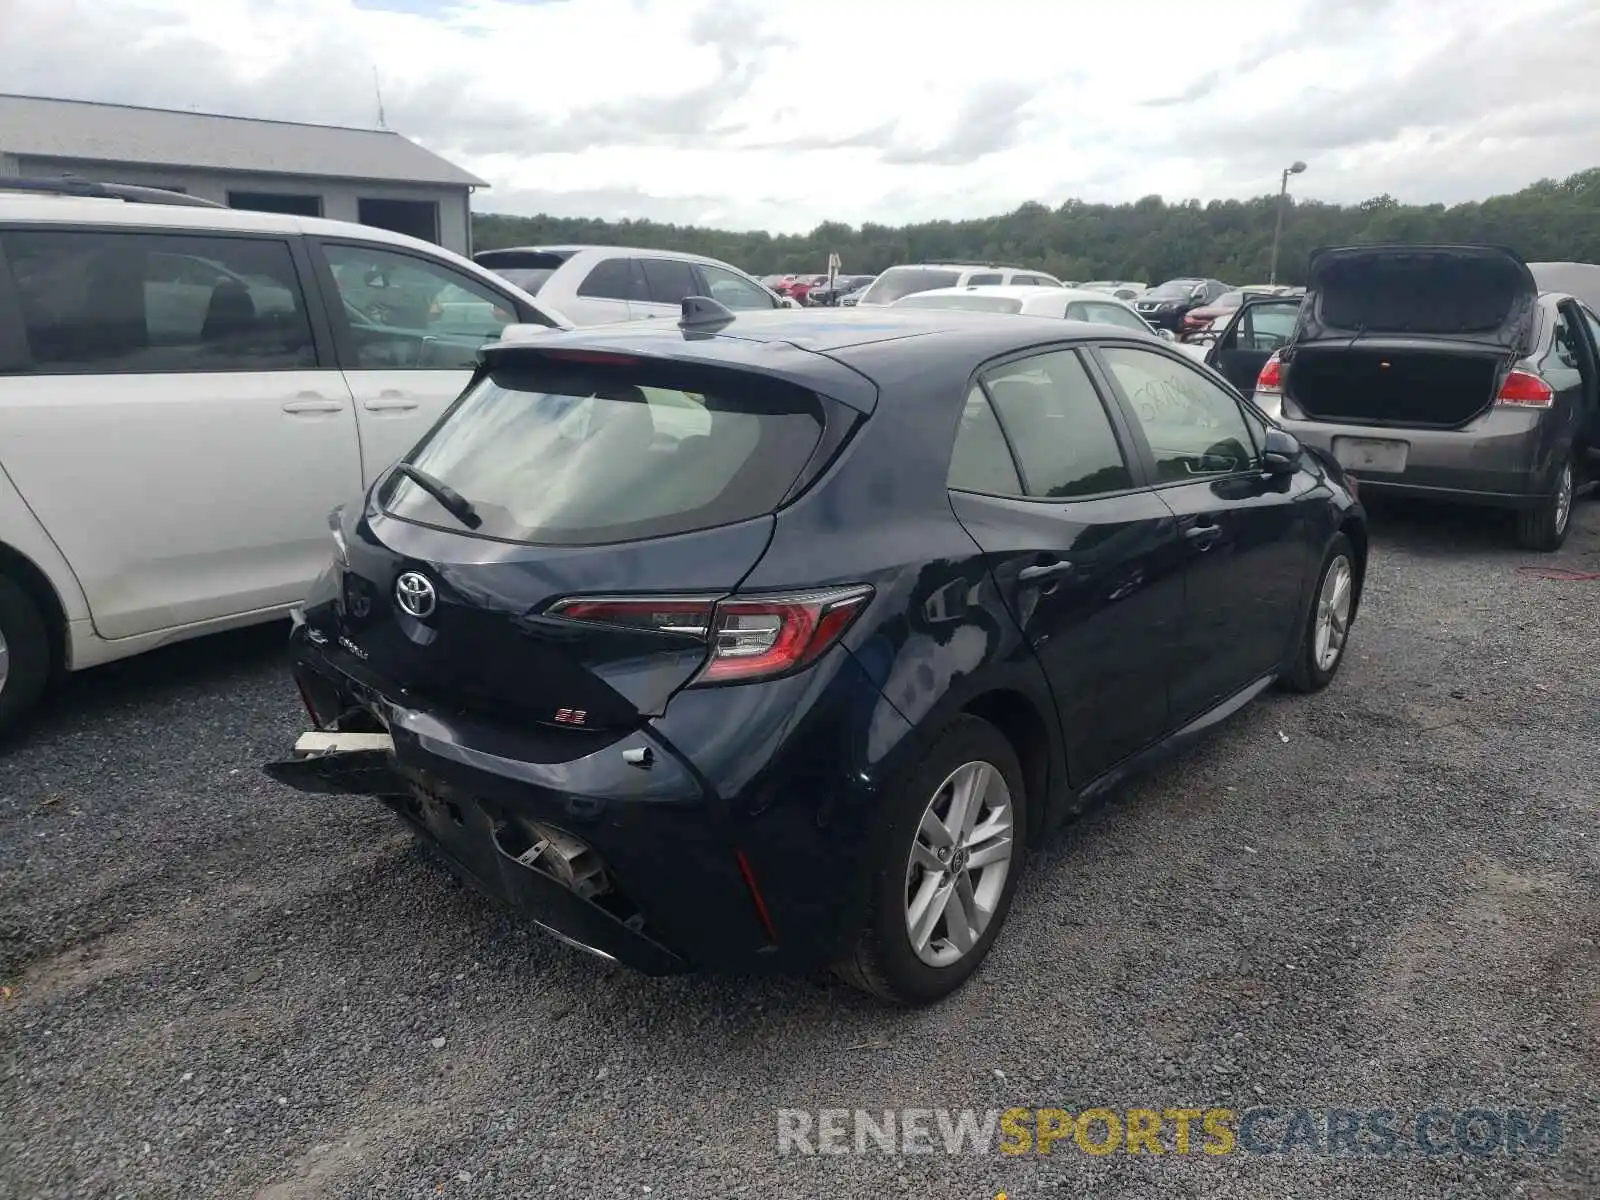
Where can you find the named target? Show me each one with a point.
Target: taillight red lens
(1271, 377)
(1524, 389)
(689, 615)
(749, 637)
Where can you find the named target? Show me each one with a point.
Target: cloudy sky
(779, 114)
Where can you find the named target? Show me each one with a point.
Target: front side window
(1265, 326)
(1053, 417)
(583, 454)
(1593, 323)
(406, 312)
(1564, 346)
(114, 303)
(1194, 427)
(733, 292)
(988, 280)
(981, 461)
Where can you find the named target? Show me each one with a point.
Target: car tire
(1544, 527)
(882, 958)
(24, 654)
(1328, 621)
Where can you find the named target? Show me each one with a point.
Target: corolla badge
(414, 593)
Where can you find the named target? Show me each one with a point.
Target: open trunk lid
(598, 476)
(1482, 294)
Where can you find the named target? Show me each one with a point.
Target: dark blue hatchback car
(771, 641)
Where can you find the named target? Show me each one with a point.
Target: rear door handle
(1043, 572)
(310, 402)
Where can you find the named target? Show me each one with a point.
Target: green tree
(1150, 239)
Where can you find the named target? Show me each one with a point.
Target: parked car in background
(829, 294)
(1436, 372)
(798, 685)
(1166, 304)
(185, 392)
(1072, 304)
(800, 288)
(897, 282)
(599, 285)
(1121, 289)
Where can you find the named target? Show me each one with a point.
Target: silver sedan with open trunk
(1435, 372)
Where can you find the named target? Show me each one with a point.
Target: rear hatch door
(588, 476)
(1481, 294)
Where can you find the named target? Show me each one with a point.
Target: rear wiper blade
(452, 501)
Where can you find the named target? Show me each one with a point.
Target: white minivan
(186, 392)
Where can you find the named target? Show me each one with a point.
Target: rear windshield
(975, 302)
(897, 282)
(583, 454)
(528, 269)
(1106, 314)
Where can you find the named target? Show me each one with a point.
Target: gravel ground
(1383, 896)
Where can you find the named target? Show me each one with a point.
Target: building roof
(36, 127)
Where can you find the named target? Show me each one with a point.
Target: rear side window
(1053, 416)
(528, 269)
(981, 461)
(117, 303)
(898, 282)
(669, 280)
(614, 279)
(560, 453)
(988, 280)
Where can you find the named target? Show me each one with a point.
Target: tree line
(1148, 240)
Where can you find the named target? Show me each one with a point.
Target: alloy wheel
(1333, 613)
(960, 858)
(1564, 498)
(5, 660)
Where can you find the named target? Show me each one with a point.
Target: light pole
(1293, 168)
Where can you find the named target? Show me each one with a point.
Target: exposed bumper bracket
(340, 764)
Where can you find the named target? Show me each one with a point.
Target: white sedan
(1072, 304)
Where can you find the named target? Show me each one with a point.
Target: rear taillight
(1524, 389)
(1270, 380)
(750, 637)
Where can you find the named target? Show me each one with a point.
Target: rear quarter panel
(937, 634)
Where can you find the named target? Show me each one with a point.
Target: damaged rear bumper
(552, 878)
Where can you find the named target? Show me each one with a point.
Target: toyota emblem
(414, 593)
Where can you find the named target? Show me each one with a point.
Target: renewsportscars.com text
(1207, 1131)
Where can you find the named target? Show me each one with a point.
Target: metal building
(367, 175)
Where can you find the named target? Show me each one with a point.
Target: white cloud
(782, 113)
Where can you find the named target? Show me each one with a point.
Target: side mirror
(1280, 455)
